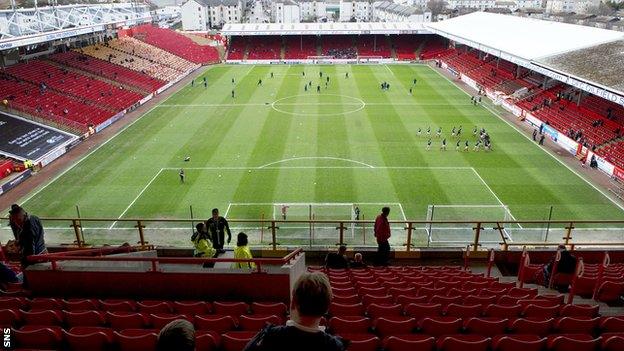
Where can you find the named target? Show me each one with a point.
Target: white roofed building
(202, 15)
(312, 10)
(473, 4)
(576, 6)
(356, 11)
(285, 11)
(386, 11)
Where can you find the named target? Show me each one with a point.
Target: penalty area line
(137, 197)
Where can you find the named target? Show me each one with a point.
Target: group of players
(483, 139)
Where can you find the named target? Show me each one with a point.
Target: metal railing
(99, 255)
(410, 234)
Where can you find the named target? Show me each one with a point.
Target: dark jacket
(289, 338)
(336, 260)
(217, 230)
(30, 237)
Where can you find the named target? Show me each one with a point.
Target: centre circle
(304, 104)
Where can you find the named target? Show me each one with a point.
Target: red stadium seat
(230, 308)
(146, 341)
(518, 343)
(191, 308)
(510, 311)
(85, 318)
(81, 305)
(257, 322)
(437, 326)
(612, 325)
(13, 303)
(278, 308)
(45, 303)
(536, 311)
(409, 343)
(149, 307)
(564, 343)
(407, 291)
(37, 339)
(358, 325)
(422, 310)
(96, 341)
(219, 323)
(206, 342)
(375, 310)
(528, 326)
(10, 318)
(405, 300)
(576, 325)
(43, 318)
(362, 342)
(463, 343)
(376, 290)
(236, 341)
(393, 326)
(613, 343)
(118, 305)
(336, 309)
(445, 300)
(609, 291)
(485, 326)
(347, 300)
(127, 320)
(159, 320)
(463, 311)
(579, 310)
(480, 300)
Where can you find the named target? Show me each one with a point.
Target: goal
(458, 232)
(305, 212)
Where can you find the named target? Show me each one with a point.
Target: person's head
(311, 295)
(215, 213)
(17, 213)
(357, 257)
(561, 248)
(178, 335)
(241, 239)
(342, 250)
(200, 227)
(385, 211)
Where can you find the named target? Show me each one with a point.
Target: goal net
(463, 232)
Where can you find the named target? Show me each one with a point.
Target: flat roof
(335, 28)
(602, 64)
(523, 37)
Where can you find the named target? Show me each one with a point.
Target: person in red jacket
(382, 234)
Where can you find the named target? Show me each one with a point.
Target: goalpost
(335, 212)
(454, 232)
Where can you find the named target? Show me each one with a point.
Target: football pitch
(321, 154)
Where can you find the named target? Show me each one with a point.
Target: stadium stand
(6, 167)
(366, 46)
(138, 48)
(300, 47)
(237, 49)
(340, 47)
(107, 70)
(88, 90)
(154, 69)
(265, 48)
(406, 46)
(176, 44)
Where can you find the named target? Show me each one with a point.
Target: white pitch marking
(137, 197)
(316, 158)
(495, 196)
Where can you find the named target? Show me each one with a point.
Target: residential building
(285, 11)
(386, 11)
(202, 15)
(356, 11)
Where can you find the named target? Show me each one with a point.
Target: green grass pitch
(352, 143)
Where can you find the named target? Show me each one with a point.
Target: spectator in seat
(566, 265)
(28, 232)
(337, 259)
(311, 298)
(242, 251)
(178, 335)
(358, 261)
(382, 234)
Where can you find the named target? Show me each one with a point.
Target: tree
(436, 7)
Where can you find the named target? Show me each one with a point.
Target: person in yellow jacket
(201, 242)
(242, 251)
